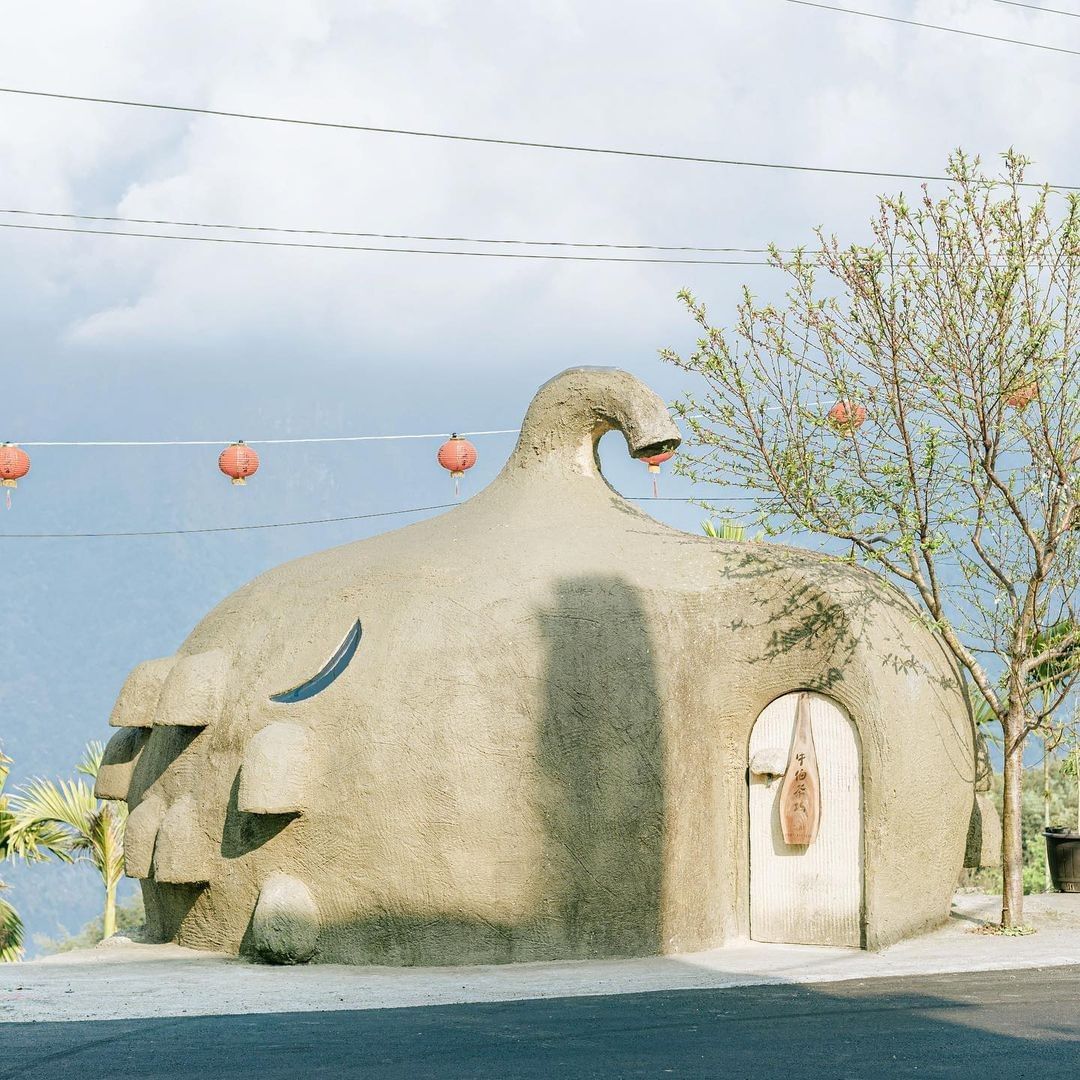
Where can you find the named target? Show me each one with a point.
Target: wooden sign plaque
(800, 793)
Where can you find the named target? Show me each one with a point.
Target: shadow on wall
(597, 783)
(602, 765)
(834, 614)
(804, 614)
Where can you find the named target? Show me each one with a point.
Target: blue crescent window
(327, 673)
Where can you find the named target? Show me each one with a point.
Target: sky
(115, 338)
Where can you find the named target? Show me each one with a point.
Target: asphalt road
(1014, 1024)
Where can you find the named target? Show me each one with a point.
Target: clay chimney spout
(571, 412)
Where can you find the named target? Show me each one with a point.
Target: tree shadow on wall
(830, 610)
(829, 606)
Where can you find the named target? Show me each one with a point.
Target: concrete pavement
(987, 1025)
(124, 980)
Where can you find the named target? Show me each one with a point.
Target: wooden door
(812, 894)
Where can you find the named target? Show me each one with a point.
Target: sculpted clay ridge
(522, 731)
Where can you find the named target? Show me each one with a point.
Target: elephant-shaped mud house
(545, 726)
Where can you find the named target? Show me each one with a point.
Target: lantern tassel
(7, 499)
(655, 488)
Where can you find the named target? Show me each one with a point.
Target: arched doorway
(808, 894)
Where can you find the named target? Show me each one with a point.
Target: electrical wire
(270, 442)
(221, 528)
(385, 236)
(1035, 7)
(304, 439)
(427, 251)
(292, 524)
(492, 141)
(936, 26)
(390, 250)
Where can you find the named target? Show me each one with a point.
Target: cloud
(765, 81)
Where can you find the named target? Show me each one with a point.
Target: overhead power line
(303, 439)
(222, 528)
(389, 250)
(937, 26)
(294, 230)
(1036, 7)
(296, 524)
(419, 251)
(493, 141)
(272, 442)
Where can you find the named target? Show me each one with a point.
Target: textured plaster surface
(121, 979)
(539, 750)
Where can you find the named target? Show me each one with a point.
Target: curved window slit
(327, 674)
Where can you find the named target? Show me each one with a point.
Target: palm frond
(981, 709)
(11, 932)
(7, 824)
(64, 818)
(91, 760)
(7, 820)
(65, 802)
(33, 843)
(108, 855)
(54, 817)
(723, 530)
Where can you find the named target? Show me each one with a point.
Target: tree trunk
(1012, 842)
(108, 927)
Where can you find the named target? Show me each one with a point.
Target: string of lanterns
(239, 460)
(846, 417)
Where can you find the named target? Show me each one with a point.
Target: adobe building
(546, 726)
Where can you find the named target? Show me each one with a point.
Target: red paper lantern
(1020, 397)
(846, 417)
(456, 455)
(654, 464)
(14, 465)
(238, 462)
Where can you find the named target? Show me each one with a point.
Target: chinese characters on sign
(800, 793)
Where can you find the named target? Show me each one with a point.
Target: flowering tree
(917, 400)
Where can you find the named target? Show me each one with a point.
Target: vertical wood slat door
(808, 895)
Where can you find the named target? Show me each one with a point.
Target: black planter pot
(1063, 852)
